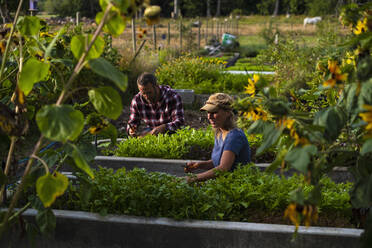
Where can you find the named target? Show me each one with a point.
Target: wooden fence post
(212, 28)
(169, 34)
(237, 26)
(199, 24)
(154, 36)
(77, 18)
(206, 31)
(134, 35)
(180, 33)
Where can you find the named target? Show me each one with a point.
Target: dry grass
(245, 28)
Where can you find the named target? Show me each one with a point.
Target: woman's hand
(191, 166)
(190, 179)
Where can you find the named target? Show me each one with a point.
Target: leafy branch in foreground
(60, 122)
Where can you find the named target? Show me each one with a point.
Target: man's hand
(132, 131)
(159, 129)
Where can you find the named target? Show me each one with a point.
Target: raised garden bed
(81, 229)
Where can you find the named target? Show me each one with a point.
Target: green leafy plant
(308, 141)
(186, 143)
(243, 195)
(203, 75)
(32, 57)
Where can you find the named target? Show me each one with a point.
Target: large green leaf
(332, 120)
(46, 220)
(106, 101)
(51, 45)
(361, 196)
(352, 98)
(28, 25)
(365, 95)
(299, 157)
(80, 42)
(122, 5)
(115, 25)
(49, 187)
(60, 123)
(297, 196)
(111, 132)
(270, 137)
(80, 160)
(367, 147)
(103, 68)
(33, 71)
(257, 127)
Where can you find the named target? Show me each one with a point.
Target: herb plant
(186, 143)
(237, 196)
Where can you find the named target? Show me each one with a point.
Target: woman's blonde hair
(229, 124)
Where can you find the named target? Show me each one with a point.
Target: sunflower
(285, 122)
(336, 75)
(256, 114)
(292, 214)
(361, 27)
(367, 116)
(251, 88)
(298, 140)
(296, 213)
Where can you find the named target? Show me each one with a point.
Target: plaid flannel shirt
(168, 110)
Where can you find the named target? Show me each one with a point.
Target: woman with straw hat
(231, 146)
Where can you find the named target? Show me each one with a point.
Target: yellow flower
(310, 214)
(292, 214)
(45, 34)
(361, 27)
(288, 123)
(298, 140)
(367, 116)
(251, 88)
(336, 75)
(256, 114)
(333, 67)
(331, 82)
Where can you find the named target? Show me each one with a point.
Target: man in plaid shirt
(158, 106)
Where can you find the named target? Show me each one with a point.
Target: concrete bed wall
(82, 229)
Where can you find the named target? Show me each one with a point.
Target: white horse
(312, 20)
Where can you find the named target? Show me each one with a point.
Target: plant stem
(5, 56)
(13, 140)
(77, 68)
(21, 185)
(81, 62)
(43, 163)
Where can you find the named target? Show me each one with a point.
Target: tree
(176, 9)
(276, 10)
(9, 6)
(218, 11)
(208, 8)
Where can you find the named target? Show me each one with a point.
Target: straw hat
(218, 101)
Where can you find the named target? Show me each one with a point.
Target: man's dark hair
(146, 78)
